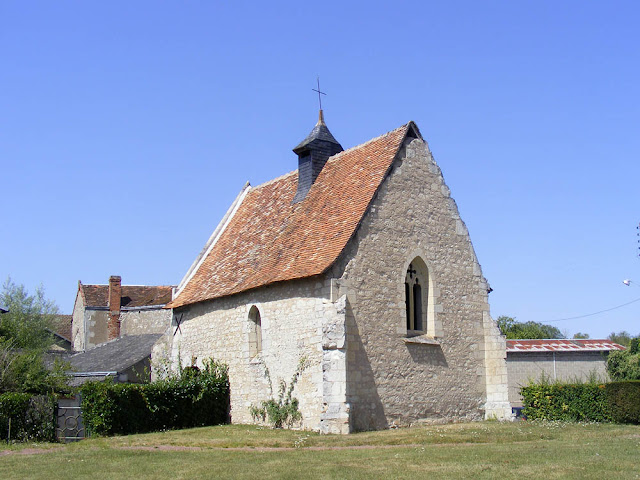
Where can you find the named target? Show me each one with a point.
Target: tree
(623, 365)
(29, 317)
(24, 338)
(582, 336)
(623, 337)
(513, 329)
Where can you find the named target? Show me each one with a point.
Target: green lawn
(479, 450)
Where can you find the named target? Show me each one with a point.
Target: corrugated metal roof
(562, 345)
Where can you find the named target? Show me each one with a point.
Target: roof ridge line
(293, 172)
(375, 139)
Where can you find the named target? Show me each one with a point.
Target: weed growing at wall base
(283, 410)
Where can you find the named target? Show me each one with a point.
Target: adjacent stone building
(126, 359)
(359, 266)
(563, 360)
(106, 312)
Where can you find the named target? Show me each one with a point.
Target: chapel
(355, 272)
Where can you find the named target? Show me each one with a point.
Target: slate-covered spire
(313, 152)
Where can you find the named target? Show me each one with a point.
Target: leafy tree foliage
(625, 364)
(623, 337)
(513, 329)
(29, 317)
(24, 338)
(581, 336)
(24, 370)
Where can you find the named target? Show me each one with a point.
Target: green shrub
(24, 371)
(569, 402)
(193, 398)
(624, 365)
(26, 417)
(624, 401)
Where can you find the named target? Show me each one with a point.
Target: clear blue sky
(127, 128)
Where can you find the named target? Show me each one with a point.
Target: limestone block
(334, 327)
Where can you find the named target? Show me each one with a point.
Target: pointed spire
(319, 133)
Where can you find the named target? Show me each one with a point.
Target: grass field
(478, 450)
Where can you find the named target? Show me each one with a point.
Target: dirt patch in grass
(29, 451)
(163, 448)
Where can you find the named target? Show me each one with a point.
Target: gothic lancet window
(416, 288)
(407, 299)
(417, 305)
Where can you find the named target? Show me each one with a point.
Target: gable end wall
(393, 382)
(77, 324)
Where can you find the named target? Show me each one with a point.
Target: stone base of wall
(498, 411)
(336, 412)
(497, 406)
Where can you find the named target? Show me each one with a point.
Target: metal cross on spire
(319, 93)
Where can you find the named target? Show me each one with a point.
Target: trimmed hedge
(624, 401)
(193, 399)
(616, 401)
(572, 402)
(26, 417)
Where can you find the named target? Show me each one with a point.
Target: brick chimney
(115, 295)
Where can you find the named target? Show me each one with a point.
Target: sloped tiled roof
(132, 295)
(562, 345)
(116, 355)
(269, 239)
(61, 326)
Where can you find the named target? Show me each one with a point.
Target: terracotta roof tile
(132, 295)
(269, 239)
(61, 325)
(561, 345)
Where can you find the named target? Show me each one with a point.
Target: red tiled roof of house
(269, 239)
(560, 345)
(61, 325)
(132, 295)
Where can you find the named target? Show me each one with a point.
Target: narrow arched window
(417, 305)
(416, 290)
(255, 332)
(407, 300)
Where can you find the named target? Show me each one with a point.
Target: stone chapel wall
(393, 379)
(292, 316)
